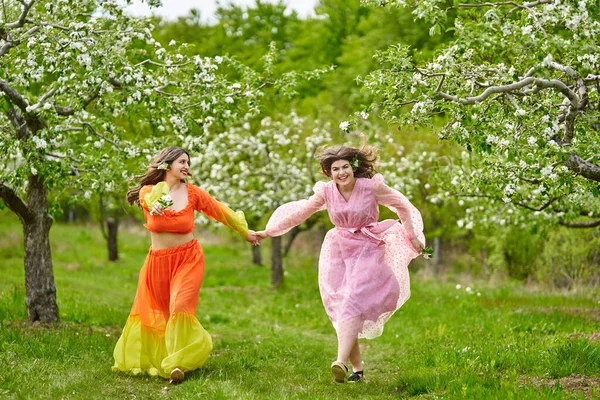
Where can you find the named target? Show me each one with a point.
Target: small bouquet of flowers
(160, 193)
(165, 201)
(427, 253)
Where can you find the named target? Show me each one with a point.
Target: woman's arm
(218, 211)
(294, 213)
(399, 204)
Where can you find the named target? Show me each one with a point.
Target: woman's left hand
(417, 244)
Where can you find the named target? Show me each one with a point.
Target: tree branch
(42, 100)
(149, 61)
(583, 167)
(21, 21)
(14, 96)
(582, 224)
(61, 27)
(18, 122)
(541, 208)
(70, 110)
(91, 128)
(541, 83)
(506, 3)
(14, 202)
(7, 46)
(522, 205)
(592, 78)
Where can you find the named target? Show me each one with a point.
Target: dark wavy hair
(154, 175)
(366, 155)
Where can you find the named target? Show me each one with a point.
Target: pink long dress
(363, 266)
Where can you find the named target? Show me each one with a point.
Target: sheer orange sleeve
(143, 192)
(217, 211)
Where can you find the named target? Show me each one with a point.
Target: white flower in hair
(162, 165)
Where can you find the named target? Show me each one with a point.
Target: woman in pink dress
(363, 266)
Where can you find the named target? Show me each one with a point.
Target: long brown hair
(365, 156)
(154, 175)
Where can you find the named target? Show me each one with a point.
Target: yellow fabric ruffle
(184, 344)
(158, 191)
(236, 220)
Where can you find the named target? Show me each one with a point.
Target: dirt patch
(591, 313)
(62, 325)
(573, 382)
(592, 337)
(72, 267)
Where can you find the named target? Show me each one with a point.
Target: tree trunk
(486, 268)
(256, 256)
(276, 262)
(113, 229)
(40, 292)
(437, 247)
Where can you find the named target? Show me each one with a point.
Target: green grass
(444, 343)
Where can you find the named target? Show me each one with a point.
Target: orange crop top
(183, 221)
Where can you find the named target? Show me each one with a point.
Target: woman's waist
(165, 240)
(375, 230)
(376, 226)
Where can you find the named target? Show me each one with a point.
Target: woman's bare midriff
(165, 240)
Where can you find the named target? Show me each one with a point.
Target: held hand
(252, 238)
(157, 209)
(417, 244)
(262, 235)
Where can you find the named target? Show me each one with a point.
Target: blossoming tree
(519, 89)
(83, 89)
(259, 165)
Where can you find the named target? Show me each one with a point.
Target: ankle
(357, 367)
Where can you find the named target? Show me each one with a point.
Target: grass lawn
(493, 342)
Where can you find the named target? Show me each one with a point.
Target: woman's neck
(173, 183)
(347, 189)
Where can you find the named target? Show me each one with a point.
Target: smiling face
(180, 168)
(342, 173)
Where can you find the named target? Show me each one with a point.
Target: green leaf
(595, 191)
(4, 104)
(455, 3)
(435, 30)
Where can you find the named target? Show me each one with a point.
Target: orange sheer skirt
(162, 332)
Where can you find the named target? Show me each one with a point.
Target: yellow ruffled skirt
(162, 332)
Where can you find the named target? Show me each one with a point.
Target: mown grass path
(444, 343)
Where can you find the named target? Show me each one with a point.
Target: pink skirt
(364, 273)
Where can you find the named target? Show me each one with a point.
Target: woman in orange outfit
(162, 335)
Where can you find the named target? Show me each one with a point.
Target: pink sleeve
(294, 213)
(398, 203)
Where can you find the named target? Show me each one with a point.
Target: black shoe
(355, 377)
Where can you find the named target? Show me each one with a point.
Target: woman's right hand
(157, 209)
(262, 235)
